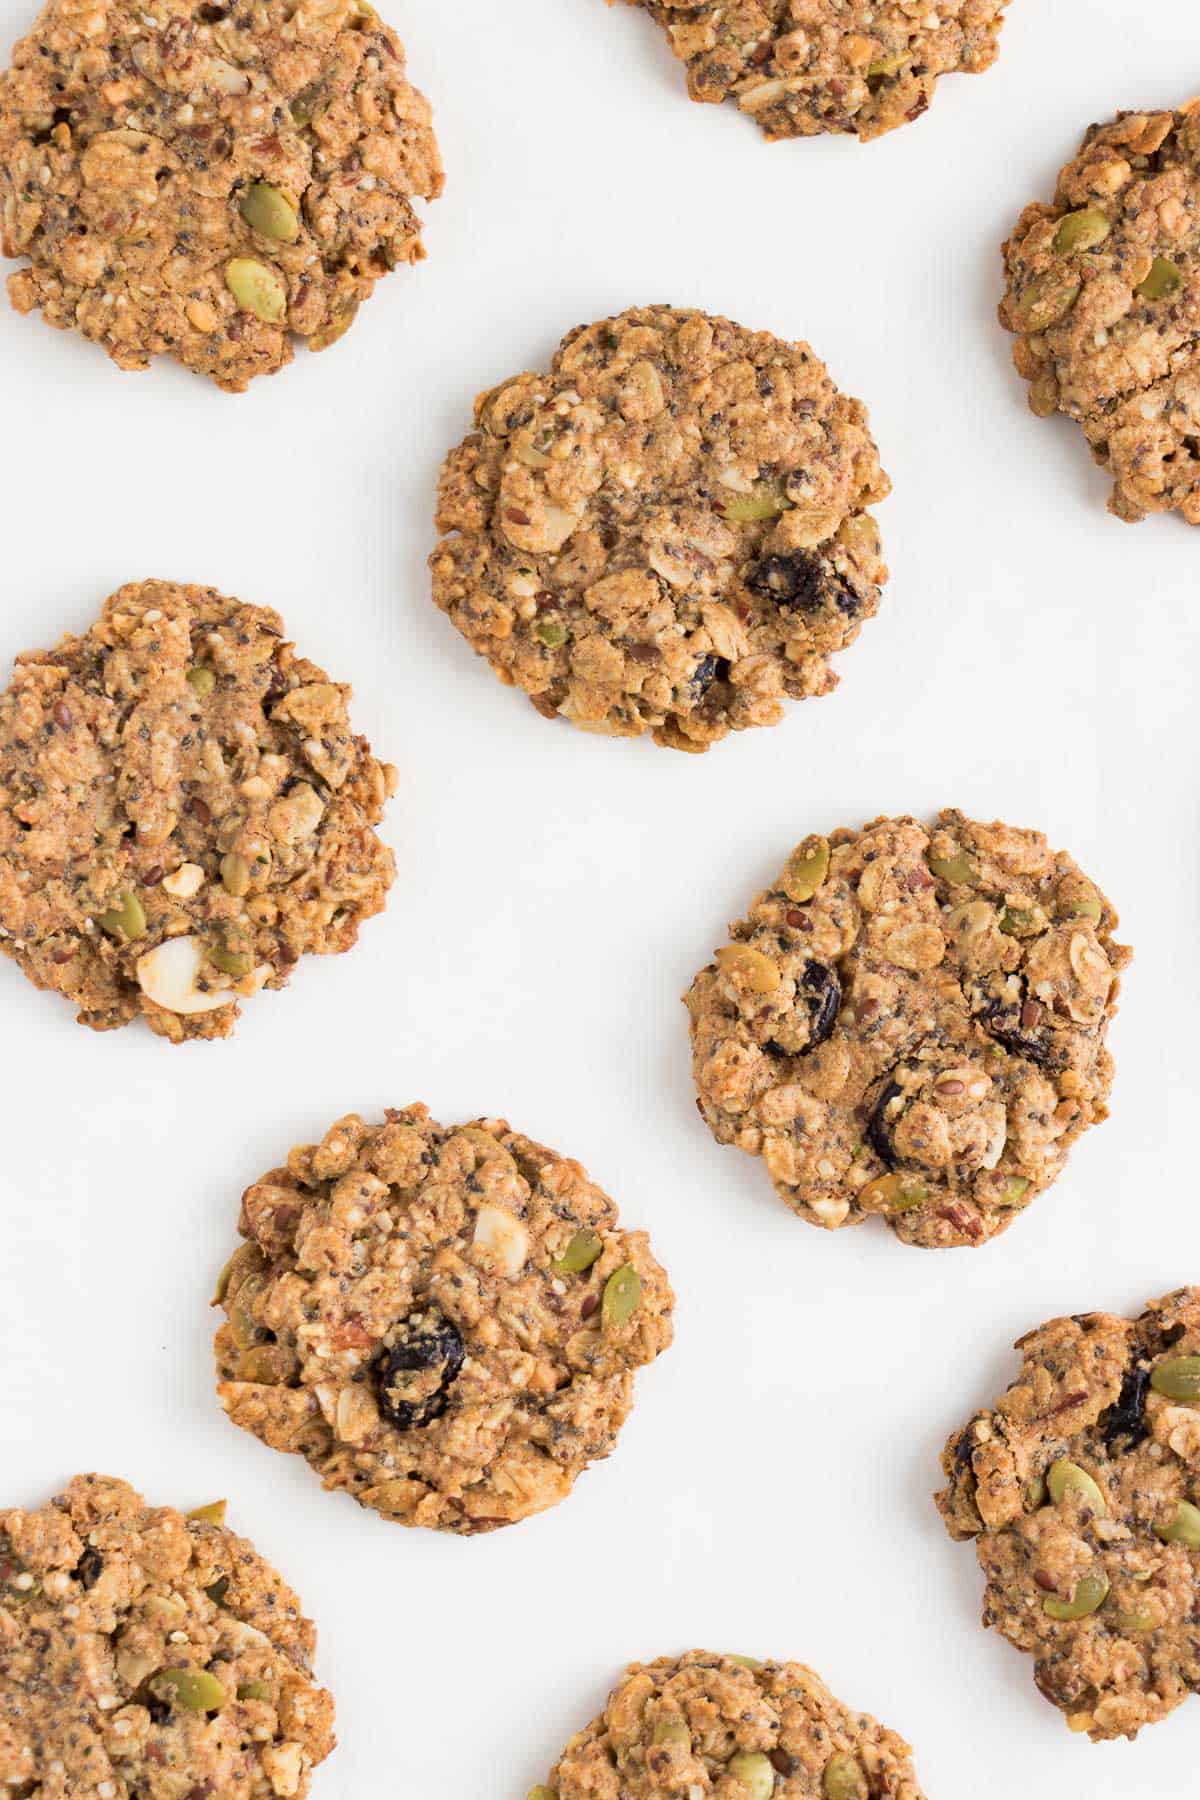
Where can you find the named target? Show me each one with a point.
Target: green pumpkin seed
(334, 328)
(622, 1296)
(672, 1731)
(1128, 1623)
(753, 967)
(746, 1662)
(218, 1590)
(1022, 921)
(1081, 230)
(1090, 906)
(1063, 1478)
(1178, 1379)
(212, 1514)
(1035, 1494)
(551, 632)
(127, 919)
(583, 1250)
(1089, 1597)
(766, 500)
(268, 211)
(257, 288)
(235, 875)
(1184, 1527)
(202, 681)
(1046, 300)
(753, 1770)
(542, 1792)
(1014, 1191)
(254, 1690)
(246, 1256)
(1163, 280)
(888, 65)
(806, 869)
(230, 962)
(194, 1689)
(844, 1779)
(959, 868)
(893, 1194)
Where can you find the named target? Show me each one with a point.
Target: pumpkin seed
(806, 869)
(195, 1689)
(583, 1250)
(213, 1514)
(1081, 230)
(1184, 1527)
(1063, 1478)
(1088, 1597)
(268, 211)
(126, 920)
(1178, 1379)
(257, 288)
(753, 1770)
(844, 1779)
(622, 1296)
(1163, 280)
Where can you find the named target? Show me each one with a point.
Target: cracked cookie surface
(732, 1728)
(1081, 1490)
(1103, 292)
(445, 1321)
(667, 533)
(210, 182)
(800, 67)
(184, 812)
(910, 1022)
(144, 1652)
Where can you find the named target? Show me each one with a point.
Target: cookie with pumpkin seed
(1103, 293)
(1080, 1489)
(444, 1320)
(210, 181)
(668, 533)
(147, 1652)
(911, 1023)
(184, 813)
(733, 1728)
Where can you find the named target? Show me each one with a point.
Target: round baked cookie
(1082, 1493)
(144, 1653)
(445, 1320)
(799, 67)
(911, 1022)
(668, 532)
(734, 1729)
(209, 181)
(184, 812)
(1104, 296)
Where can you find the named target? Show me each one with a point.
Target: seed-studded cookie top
(911, 1022)
(206, 181)
(800, 67)
(1082, 1492)
(145, 1653)
(444, 1320)
(666, 533)
(1104, 295)
(184, 812)
(726, 1726)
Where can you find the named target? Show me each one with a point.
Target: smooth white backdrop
(1034, 659)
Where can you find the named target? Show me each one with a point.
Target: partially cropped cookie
(1081, 1489)
(732, 1728)
(445, 1320)
(208, 181)
(799, 67)
(910, 1022)
(184, 812)
(1104, 296)
(147, 1653)
(668, 533)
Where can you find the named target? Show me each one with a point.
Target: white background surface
(1034, 659)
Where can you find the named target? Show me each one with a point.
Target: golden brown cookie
(184, 812)
(668, 532)
(734, 1729)
(145, 1653)
(911, 1022)
(1104, 296)
(445, 1321)
(210, 181)
(799, 67)
(1081, 1489)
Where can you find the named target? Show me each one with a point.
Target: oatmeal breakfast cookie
(209, 181)
(911, 1022)
(731, 1728)
(800, 67)
(1104, 296)
(144, 1653)
(184, 812)
(1082, 1493)
(668, 532)
(445, 1320)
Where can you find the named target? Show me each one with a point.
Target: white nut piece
(167, 975)
(186, 881)
(501, 1239)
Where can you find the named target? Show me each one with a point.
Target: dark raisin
(878, 1128)
(802, 582)
(1124, 1425)
(1006, 1016)
(820, 993)
(414, 1372)
(707, 670)
(89, 1568)
(783, 1762)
